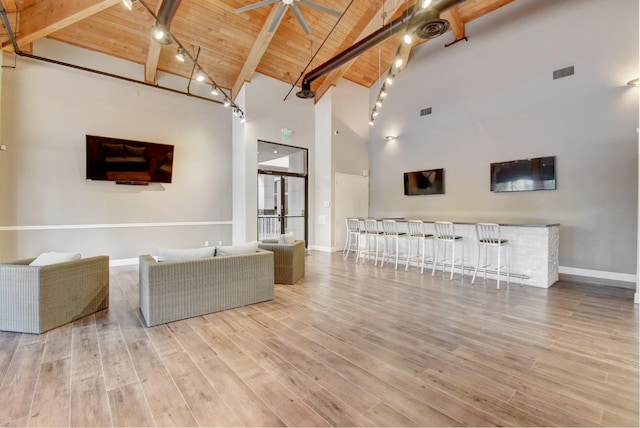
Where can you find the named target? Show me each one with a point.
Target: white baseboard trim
(322, 249)
(600, 274)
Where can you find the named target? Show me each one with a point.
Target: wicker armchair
(35, 299)
(288, 262)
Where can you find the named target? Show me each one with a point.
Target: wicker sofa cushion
(232, 250)
(52, 258)
(287, 238)
(175, 254)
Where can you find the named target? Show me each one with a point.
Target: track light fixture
(379, 103)
(398, 62)
(161, 34)
(180, 54)
(129, 3)
(383, 92)
(426, 3)
(389, 79)
(407, 39)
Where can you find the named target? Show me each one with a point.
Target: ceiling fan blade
(320, 7)
(276, 18)
(255, 6)
(303, 22)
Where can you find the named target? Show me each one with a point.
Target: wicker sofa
(174, 290)
(288, 260)
(35, 299)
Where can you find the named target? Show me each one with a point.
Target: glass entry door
(281, 206)
(282, 190)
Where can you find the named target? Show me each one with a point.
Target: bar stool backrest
(389, 227)
(416, 228)
(353, 225)
(445, 230)
(488, 233)
(371, 226)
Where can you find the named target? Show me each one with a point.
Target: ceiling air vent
(425, 111)
(563, 72)
(432, 26)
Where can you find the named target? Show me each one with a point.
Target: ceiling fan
(296, 10)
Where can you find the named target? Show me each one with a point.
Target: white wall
(350, 128)
(267, 114)
(323, 175)
(48, 205)
(494, 99)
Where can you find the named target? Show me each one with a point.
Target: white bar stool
(391, 241)
(417, 233)
(352, 242)
(372, 234)
(488, 235)
(445, 234)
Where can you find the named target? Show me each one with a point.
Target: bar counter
(533, 250)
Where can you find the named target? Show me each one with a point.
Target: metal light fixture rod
(167, 11)
(410, 18)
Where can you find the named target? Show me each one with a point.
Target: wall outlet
(206, 243)
(219, 242)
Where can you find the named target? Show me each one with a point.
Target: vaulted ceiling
(230, 46)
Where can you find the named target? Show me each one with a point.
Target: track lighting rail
(19, 52)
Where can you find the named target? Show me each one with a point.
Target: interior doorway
(282, 190)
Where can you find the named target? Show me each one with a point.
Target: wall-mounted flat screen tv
(428, 182)
(128, 161)
(524, 175)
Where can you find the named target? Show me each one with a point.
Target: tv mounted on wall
(524, 175)
(128, 161)
(428, 182)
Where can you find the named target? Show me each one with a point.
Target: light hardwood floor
(348, 345)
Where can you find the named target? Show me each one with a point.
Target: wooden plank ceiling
(230, 46)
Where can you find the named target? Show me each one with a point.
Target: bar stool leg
(435, 256)
(508, 264)
(498, 270)
(424, 241)
(453, 257)
(406, 266)
(397, 251)
(475, 271)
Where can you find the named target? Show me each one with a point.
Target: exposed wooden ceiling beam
(257, 51)
(387, 10)
(44, 18)
(457, 26)
(153, 56)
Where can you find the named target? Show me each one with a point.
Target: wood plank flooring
(348, 345)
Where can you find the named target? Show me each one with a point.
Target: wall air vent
(563, 72)
(425, 111)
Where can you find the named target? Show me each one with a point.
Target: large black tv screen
(428, 182)
(128, 161)
(524, 175)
